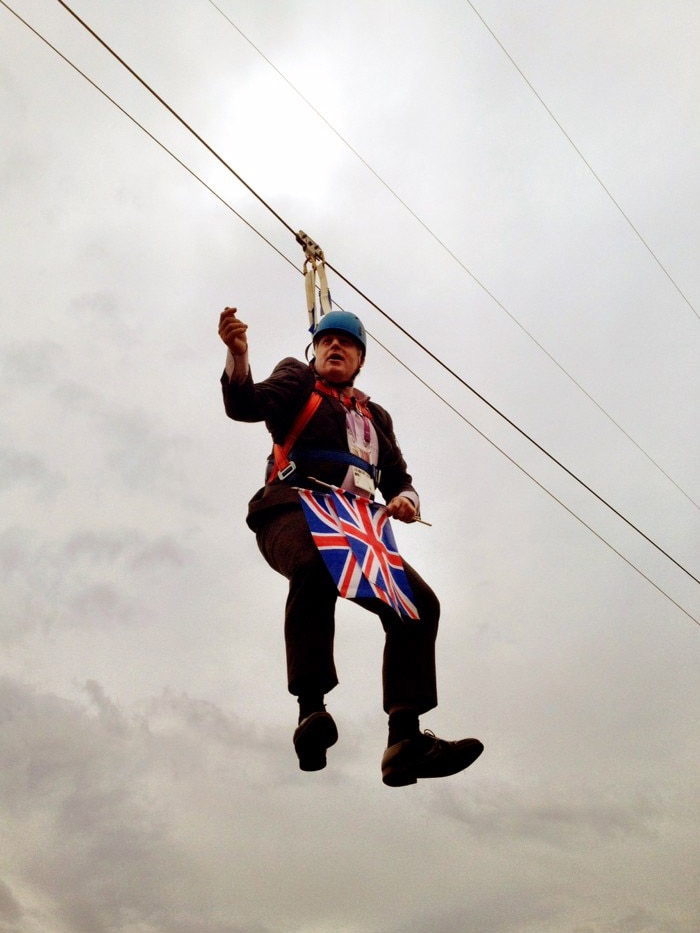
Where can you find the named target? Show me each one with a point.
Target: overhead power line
(171, 111)
(510, 422)
(420, 345)
(587, 164)
(441, 243)
(381, 311)
(148, 133)
(535, 481)
(347, 281)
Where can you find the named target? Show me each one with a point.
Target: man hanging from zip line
(328, 434)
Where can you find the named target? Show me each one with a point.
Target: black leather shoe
(314, 734)
(427, 756)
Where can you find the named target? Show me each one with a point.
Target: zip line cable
(456, 258)
(173, 113)
(534, 480)
(148, 133)
(390, 353)
(586, 162)
(380, 310)
(509, 421)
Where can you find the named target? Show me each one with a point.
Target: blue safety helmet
(344, 322)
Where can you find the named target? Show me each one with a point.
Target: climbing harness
(284, 454)
(282, 463)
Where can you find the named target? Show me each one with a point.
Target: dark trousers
(408, 670)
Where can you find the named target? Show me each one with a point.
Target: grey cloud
(130, 439)
(19, 468)
(102, 601)
(199, 924)
(31, 362)
(102, 783)
(100, 314)
(185, 813)
(123, 433)
(10, 909)
(205, 718)
(164, 552)
(96, 305)
(76, 397)
(127, 546)
(643, 920)
(524, 912)
(637, 920)
(22, 549)
(41, 574)
(487, 914)
(109, 713)
(101, 546)
(81, 916)
(143, 453)
(562, 817)
(89, 575)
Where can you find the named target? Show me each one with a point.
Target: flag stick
(319, 482)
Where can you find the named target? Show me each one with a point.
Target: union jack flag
(354, 537)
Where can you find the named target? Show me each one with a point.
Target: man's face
(338, 356)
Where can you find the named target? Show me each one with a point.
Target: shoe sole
(395, 777)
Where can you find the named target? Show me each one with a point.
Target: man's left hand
(402, 508)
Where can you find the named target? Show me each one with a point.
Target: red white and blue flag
(354, 537)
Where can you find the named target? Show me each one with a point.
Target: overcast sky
(148, 782)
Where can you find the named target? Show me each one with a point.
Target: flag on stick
(355, 539)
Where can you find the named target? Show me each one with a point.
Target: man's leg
(409, 683)
(309, 628)
(408, 667)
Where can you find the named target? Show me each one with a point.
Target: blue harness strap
(338, 456)
(283, 465)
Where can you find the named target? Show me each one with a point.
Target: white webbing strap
(310, 286)
(314, 268)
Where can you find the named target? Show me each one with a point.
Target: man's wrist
(412, 498)
(236, 365)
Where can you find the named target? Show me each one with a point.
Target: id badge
(361, 478)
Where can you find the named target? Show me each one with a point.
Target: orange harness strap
(350, 401)
(281, 452)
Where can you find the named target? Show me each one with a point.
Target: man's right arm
(276, 399)
(233, 333)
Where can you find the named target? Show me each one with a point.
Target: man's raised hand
(233, 332)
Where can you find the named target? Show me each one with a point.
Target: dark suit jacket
(277, 401)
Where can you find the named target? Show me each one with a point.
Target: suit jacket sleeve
(276, 400)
